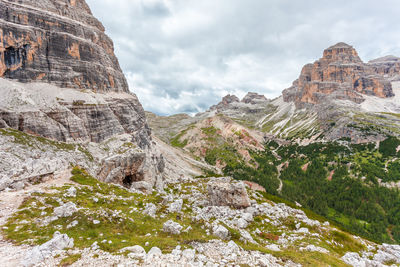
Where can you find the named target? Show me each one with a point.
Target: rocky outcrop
(39, 253)
(222, 192)
(388, 66)
(172, 227)
(254, 98)
(385, 254)
(229, 101)
(57, 41)
(69, 115)
(72, 116)
(68, 85)
(339, 74)
(226, 100)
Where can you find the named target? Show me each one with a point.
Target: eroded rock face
(388, 66)
(254, 98)
(68, 85)
(57, 41)
(226, 100)
(339, 74)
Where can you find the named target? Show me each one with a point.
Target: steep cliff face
(388, 66)
(68, 85)
(339, 74)
(57, 41)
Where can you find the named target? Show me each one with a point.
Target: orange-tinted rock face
(339, 74)
(57, 41)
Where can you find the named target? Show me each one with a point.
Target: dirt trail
(280, 180)
(10, 254)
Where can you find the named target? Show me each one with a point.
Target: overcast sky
(184, 55)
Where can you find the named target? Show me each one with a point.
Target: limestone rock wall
(339, 74)
(57, 41)
(60, 79)
(388, 66)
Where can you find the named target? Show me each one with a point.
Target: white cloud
(184, 55)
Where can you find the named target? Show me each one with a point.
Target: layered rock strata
(388, 66)
(230, 100)
(57, 41)
(70, 86)
(339, 74)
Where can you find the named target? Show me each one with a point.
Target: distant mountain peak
(253, 98)
(341, 52)
(230, 99)
(341, 74)
(226, 100)
(341, 45)
(389, 58)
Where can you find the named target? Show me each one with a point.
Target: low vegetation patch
(41, 143)
(69, 260)
(107, 214)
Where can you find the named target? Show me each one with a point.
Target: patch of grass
(392, 114)
(122, 222)
(347, 241)
(34, 141)
(126, 147)
(310, 214)
(235, 234)
(70, 259)
(209, 131)
(176, 141)
(86, 152)
(38, 142)
(80, 176)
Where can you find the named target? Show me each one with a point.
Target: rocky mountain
(61, 80)
(85, 182)
(339, 96)
(329, 143)
(339, 74)
(388, 66)
(58, 42)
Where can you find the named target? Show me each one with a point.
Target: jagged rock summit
(226, 100)
(254, 98)
(339, 74)
(229, 100)
(60, 79)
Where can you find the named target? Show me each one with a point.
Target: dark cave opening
(128, 180)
